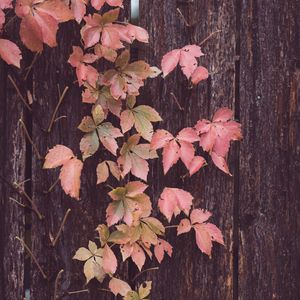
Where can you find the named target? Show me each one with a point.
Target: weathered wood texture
(255, 69)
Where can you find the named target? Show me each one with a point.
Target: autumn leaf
(40, 21)
(173, 200)
(185, 57)
(141, 117)
(206, 233)
(119, 287)
(84, 72)
(71, 168)
(160, 248)
(93, 261)
(177, 148)
(134, 158)
(104, 168)
(10, 52)
(199, 74)
(78, 8)
(109, 260)
(96, 132)
(129, 204)
(97, 4)
(215, 136)
(127, 78)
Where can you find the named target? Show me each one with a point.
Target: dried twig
(171, 226)
(61, 227)
(19, 93)
(30, 140)
(61, 98)
(32, 256)
(78, 292)
(31, 65)
(182, 16)
(207, 38)
(17, 202)
(56, 283)
(142, 272)
(176, 101)
(52, 186)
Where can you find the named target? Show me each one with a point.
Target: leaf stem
(176, 101)
(32, 256)
(142, 272)
(182, 16)
(78, 292)
(19, 93)
(52, 186)
(61, 98)
(208, 37)
(171, 226)
(30, 139)
(31, 65)
(56, 283)
(61, 227)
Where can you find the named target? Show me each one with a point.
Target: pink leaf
(138, 256)
(215, 233)
(10, 52)
(171, 155)
(160, 248)
(203, 239)
(220, 162)
(57, 156)
(119, 287)
(78, 8)
(187, 153)
(196, 164)
(170, 61)
(199, 216)
(199, 74)
(184, 226)
(160, 139)
(109, 260)
(70, 177)
(172, 201)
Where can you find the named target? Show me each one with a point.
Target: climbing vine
(130, 227)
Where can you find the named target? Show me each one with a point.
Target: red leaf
(138, 256)
(172, 201)
(199, 74)
(40, 21)
(118, 286)
(70, 177)
(199, 216)
(203, 239)
(186, 57)
(160, 248)
(110, 262)
(10, 52)
(184, 226)
(171, 155)
(97, 4)
(57, 156)
(78, 8)
(196, 164)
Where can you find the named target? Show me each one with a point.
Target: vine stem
(78, 292)
(61, 227)
(144, 271)
(56, 283)
(61, 98)
(184, 19)
(32, 256)
(19, 93)
(176, 101)
(23, 193)
(30, 139)
(31, 65)
(52, 186)
(208, 37)
(171, 226)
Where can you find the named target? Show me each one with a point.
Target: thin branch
(104, 290)
(56, 283)
(10, 20)
(31, 65)
(176, 101)
(61, 98)
(207, 38)
(19, 203)
(30, 140)
(52, 186)
(171, 226)
(142, 272)
(61, 227)
(182, 16)
(78, 292)
(58, 118)
(22, 192)
(32, 256)
(19, 93)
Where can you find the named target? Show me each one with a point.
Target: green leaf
(87, 124)
(145, 289)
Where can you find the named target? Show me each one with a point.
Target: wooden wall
(255, 65)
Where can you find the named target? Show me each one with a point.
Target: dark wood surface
(255, 69)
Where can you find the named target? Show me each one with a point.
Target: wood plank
(190, 274)
(269, 181)
(12, 170)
